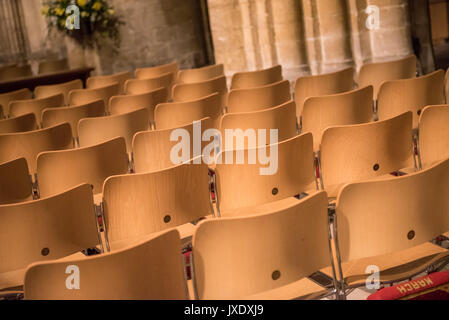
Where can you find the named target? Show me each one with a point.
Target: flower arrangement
(97, 21)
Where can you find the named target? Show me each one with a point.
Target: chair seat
(13, 280)
(396, 266)
(303, 289)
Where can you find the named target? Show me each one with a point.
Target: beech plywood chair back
(156, 71)
(365, 151)
(58, 171)
(54, 89)
(176, 114)
(258, 98)
(102, 81)
(258, 78)
(36, 106)
(434, 135)
(24, 123)
(238, 257)
(16, 183)
(376, 73)
(290, 172)
(353, 107)
(200, 74)
(83, 96)
(139, 86)
(29, 144)
(6, 98)
(321, 85)
(399, 96)
(151, 270)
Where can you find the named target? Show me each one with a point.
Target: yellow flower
(111, 12)
(84, 14)
(59, 11)
(97, 6)
(81, 3)
(44, 10)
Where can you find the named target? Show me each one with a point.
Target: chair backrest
(50, 66)
(200, 74)
(37, 106)
(193, 91)
(139, 86)
(152, 150)
(375, 74)
(29, 144)
(72, 115)
(281, 118)
(136, 205)
(241, 184)
(153, 72)
(446, 86)
(53, 89)
(83, 96)
(6, 98)
(385, 216)
(251, 79)
(177, 114)
(359, 152)
(102, 81)
(353, 107)
(14, 72)
(127, 103)
(238, 257)
(92, 131)
(398, 96)
(16, 182)
(26, 122)
(151, 270)
(48, 229)
(58, 171)
(258, 98)
(321, 85)
(434, 134)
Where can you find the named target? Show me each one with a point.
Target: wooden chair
(151, 270)
(128, 103)
(152, 149)
(16, 183)
(200, 74)
(15, 72)
(48, 229)
(446, 86)
(6, 98)
(193, 91)
(398, 96)
(177, 114)
(321, 85)
(153, 72)
(264, 257)
(375, 74)
(29, 144)
(252, 79)
(83, 96)
(241, 184)
(139, 86)
(137, 205)
(365, 151)
(353, 107)
(94, 131)
(36, 106)
(388, 223)
(281, 118)
(53, 89)
(24, 123)
(102, 81)
(72, 115)
(52, 66)
(258, 98)
(434, 135)
(58, 171)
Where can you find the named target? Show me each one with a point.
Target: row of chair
(388, 223)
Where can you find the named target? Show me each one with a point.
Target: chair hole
(376, 167)
(45, 252)
(276, 275)
(275, 191)
(419, 112)
(167, 218)
(411, 235)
